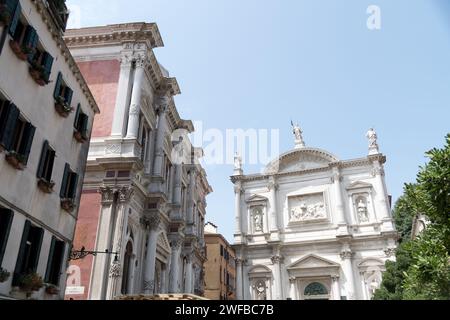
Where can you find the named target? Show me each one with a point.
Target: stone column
(336, 291)
(274, 228)
(104, 242)
(115, 272)
(347, 267)
(123, 95)
(177, 185)
(239, 280)
(277, 260)
(340, 207)
(136, 96)
(152, 224)
(176, 245)
(188, 284)
(163, 106)
(238, 191)
(191, 193)
(293, 288)
(382, 209)
(363, 286)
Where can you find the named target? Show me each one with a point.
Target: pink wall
(102, 78)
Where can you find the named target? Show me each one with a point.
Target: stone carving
(347, 254)
(260, 290)
(389, 252)
(116, 270)
(125, 193)
(151, 221)
(298, 133)
(373, 142)
(258, 222)
(149, 286)
(379, 171)
(135, 110)
(277, 259)
(307, 208)
(107, 194)
(363, 213)
(237, 164)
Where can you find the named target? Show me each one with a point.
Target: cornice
(65, 52)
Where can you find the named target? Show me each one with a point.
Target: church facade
(313, 226)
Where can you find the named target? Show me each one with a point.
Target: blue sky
(257, 64)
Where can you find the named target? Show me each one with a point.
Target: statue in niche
(258, 220)
(260, 289)
(363, 213)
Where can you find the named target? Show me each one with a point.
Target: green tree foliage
(422, 269)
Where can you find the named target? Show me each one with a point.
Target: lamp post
(83, 253)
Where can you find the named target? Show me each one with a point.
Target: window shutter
(47, 63)
(69, 95)
(62, 194)
(38, 241)
(8, 216)
(26, 148)
(73, 186)
(84, 124)
(31, 40)
(58, 86)
(77, 117)
(11, 5)
(50, 260)
(16, 10)
(40, 172)
(50, 165)
(20, 256)
(8, 130)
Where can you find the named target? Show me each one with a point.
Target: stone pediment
(311, 262)
(300, 160)
(256, 198)
(359, 185)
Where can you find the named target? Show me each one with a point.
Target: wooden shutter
(50, 260)
(62, 194)
(36, 247)
(68, 96)
(73, 186)
(77, 118)
(84, 124)
(45, 149)
(11, 5)
(15, 16)
(20, 257)
(26, 145)
(47, 63)
(31, 40)
(7, 218)
(10, 125)
(51, 163)
(58, 86)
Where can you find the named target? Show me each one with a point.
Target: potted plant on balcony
(46, 186)
(17, 49)
(68, 204)
(30, 283)
(62, 107)
(51, 289)
(15, 159)
(5, 16)
(37, 73)
(80, 136)
(4, 275)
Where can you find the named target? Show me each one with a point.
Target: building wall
(36, 105)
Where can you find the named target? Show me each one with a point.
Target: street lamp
(81, 254)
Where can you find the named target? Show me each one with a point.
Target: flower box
(15, 159)
(22, 52)
(46, 186)
(68, 205)
(80, 137)
(4, 275)
(62, 107)
(5, 17)
(30, 283)
(51, 289)
(37, 72)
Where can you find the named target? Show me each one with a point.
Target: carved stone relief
(307, 208)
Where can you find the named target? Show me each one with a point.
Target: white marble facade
(313, 226)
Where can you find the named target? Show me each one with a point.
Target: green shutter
(62, 194)
(7, 218)
(50, 165)
(11, 122)
(50, 260)
(68, 96)
(20, 257)
(40, 172)
(15, 16)
(47, 63)
(84, 125)
(37, 245)
(57, 92)
(73, 186)
(31, 40)
(11, 5)
(26, 145)
(77, 117)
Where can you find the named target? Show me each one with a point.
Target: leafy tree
(422, 267)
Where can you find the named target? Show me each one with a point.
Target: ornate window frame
(260, 274)
(257, 201)
(371, 272)
(357, 191)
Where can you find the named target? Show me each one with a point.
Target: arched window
(126, 280)
(316, 290)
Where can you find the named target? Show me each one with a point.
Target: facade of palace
(144, 193)
(46, 117)
(220, 268)
(313, 226)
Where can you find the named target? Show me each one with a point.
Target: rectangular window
(46, 163)
(69, 184)
(42, 62)
(55, 262)
(30, 249)
(16, 134)
(62, 92)
(6, 217)
(81, 123)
